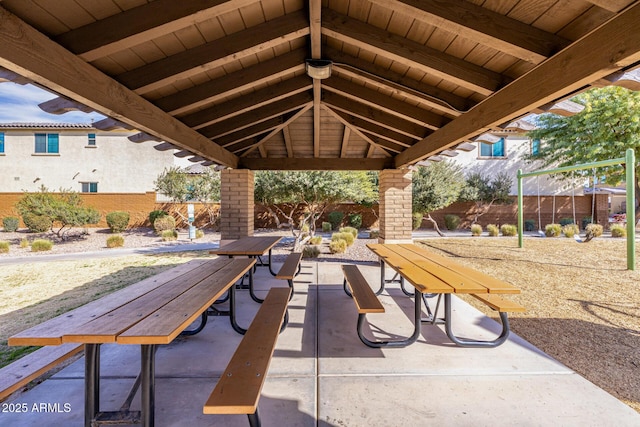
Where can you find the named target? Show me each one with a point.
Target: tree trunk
(435, 224)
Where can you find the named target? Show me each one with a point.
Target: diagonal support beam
(610, 47)
(280, 127)
(29, 53)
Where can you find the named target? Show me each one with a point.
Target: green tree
(181, 187)
(605, 129)
(283, 193)
(435, 187)
(486, 192)
(64, 209)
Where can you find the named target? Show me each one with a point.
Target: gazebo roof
(225, 81)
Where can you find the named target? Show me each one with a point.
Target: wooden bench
(238, 390)
(290, 269)
(28, 368)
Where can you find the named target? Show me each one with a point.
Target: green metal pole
(631, 209)
(520, 212)
(591, 165)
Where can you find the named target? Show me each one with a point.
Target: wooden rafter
(286, 135)
(410, 53)
(140, 24)
(217, 53)
(315, 36)
(377, 130)
(285, 163)
(249, 132)
(242, 104)
(346, 134)
(612, 46)
(29, 53)
(486, 27)
(355, 130)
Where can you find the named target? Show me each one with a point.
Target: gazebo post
(236, 204)
(395, 206)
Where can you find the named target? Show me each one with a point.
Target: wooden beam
(62, 104)
(385, 103)
(374, 115)
(610, 47)
(29, 53)
(315, 9)
(249, 132)
(316, 117)
(231, 84)
(216, 54)
(481, 25)
(355, 130)
(247, 102)
(610, 5)
(383, 143)
(410, 53)
(346, 134)
(140, 24)
(377, 130)
(284, 163)
(263, 113)
(284, 125)
(286, 135)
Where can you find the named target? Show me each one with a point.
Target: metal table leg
(91, 383)
(147, 356)
(398, 343)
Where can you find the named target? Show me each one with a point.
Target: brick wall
(236, 203)
(395, 205)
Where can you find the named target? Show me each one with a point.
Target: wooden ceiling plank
(231, 84)
(248, 132)
(141, 24)
(284, 125)
(29, 53)
(249, 102)
(385, 103)
(610, 5)
(264, 113)
(610, 47)
(216, 53)
(489, 28)
(377, 130)
(315, 163)
(374, 115)
(354, 129)
(410, 53)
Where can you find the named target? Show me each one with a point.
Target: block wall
(395, 205)
(236, 204)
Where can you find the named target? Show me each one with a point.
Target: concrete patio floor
(322, 375)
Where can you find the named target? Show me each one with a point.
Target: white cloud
(19, 103)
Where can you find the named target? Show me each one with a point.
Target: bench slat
(28, 368)
(239, 388)
(364, 297)
(498, 303)
(290, 266)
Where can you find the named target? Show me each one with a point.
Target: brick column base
(236, 204)
(395, 206)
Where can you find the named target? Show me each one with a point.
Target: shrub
(310, 251)
(199, 234)
(37, 223)
(593, 230)
(40, 245)
(326, 227)
(24, 243)
(10, 224)
(347, 237)
(508, 230)
(337, 246)
(416, 220)
(115, 241)
(451, 221)
(586, 220)
(552, 230)
(570, 230)
(164, 223)
(153, 215)
(315, 240)
(529, 225)
(618, 230)
(117, 221)
(566, 221)
(476, 230)
(355, 220)
(168, 235)
(4, 247)
(335, 218)
(493, 230)
(374, 234)
(350, 230)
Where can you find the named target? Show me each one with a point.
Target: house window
(89, 187)
(496, 149)
(535, 147)
(1, 142)
(47, 143)
(91, 139)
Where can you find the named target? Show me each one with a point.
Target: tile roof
(27, 125)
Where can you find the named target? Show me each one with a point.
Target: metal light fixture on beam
(318, 68)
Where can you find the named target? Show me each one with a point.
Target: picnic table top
(429, 272)
(250, 246)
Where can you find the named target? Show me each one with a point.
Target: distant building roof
(24, 125)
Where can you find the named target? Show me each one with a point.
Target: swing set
(629, 160)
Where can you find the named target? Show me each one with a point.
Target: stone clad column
(236, 204)
(395, 206)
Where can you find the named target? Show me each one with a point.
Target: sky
(19, 103)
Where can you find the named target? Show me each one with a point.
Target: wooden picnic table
(435, 275)
(151, 312)
(252, 247)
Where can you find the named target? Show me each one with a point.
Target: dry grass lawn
(583, 305)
